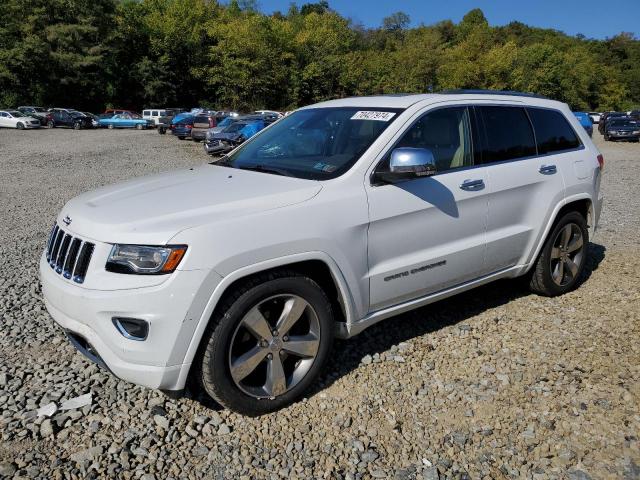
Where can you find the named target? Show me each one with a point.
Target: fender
(227, 280)
(552, 218)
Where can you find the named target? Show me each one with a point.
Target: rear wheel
(77, 126)
(563, 256)
(20, 126)
(50, 124)
(180, 138)
(266, 343)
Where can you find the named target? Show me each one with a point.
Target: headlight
(144, 259)
(636, 132)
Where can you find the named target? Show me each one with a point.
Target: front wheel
(139, 126)
(563, 256)
(110, 126)
(50, 124)
(77, 126)
(266, 343)
(20, 126)
(180, 138)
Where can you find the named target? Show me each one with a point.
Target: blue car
(232, 136)
(125, 120)
(181, 125)
(585, 121)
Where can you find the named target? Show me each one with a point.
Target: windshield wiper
(263, 169)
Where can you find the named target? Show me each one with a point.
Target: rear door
(524, 187)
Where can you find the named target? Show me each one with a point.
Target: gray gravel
(495, 383)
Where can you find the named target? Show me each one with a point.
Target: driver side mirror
(407, 163)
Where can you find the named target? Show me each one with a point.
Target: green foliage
(136, 53)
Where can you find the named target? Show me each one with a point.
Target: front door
(428, 234)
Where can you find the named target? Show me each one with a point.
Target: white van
(154, 114)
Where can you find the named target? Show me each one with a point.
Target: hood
(226, 136)
(625, 128)
(151, 210)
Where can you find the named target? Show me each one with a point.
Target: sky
(592, 18)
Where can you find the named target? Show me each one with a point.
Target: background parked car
(623, 128)
(232, 136)
(95, 120)
(585, 121)
(118, 111)
(595, 117)
(201, 123)
(270, 113)
(181, 126)
(221, 124)
(66, 117)
(607, 117)
(126, 120)
(17, 119)
(39, 113)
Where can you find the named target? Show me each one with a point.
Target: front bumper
(171, 308)
(623, 135)
(216, 146)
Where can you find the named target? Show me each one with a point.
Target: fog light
(132, 328)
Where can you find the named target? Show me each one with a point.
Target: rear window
(201, 119)
(508, 134)
(553, 131)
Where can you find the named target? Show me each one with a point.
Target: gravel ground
(495, 383)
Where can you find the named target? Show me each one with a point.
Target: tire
(77, 126)
(162, 130)
(180, 138)
(139, 126)
(20, 126)
(197, 140)
(248, 390)
(110, 126)
(563, 256)
(606, 137)
(50, 124)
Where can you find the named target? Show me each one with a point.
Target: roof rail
(493, 92)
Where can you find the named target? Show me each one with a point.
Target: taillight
(189, 127)
(212, 122)
(601, 162)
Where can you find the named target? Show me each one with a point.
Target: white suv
(238, 274)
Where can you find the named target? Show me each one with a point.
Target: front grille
(68, 256)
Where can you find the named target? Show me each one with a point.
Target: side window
(447, 133)
(508, 134)
(154, 113)
(553, 132)
(146, 113)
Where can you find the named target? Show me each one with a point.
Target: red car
(118, 111)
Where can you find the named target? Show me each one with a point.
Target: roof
(405, 100)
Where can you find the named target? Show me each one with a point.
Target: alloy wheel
(567, 254)
(274, 346)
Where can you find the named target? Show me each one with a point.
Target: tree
(396, 22)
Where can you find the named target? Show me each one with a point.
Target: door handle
(548, 169)
(472, 185)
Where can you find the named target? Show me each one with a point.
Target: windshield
(317, 144)
(14, 113)
(226, 122)
(234, 127)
